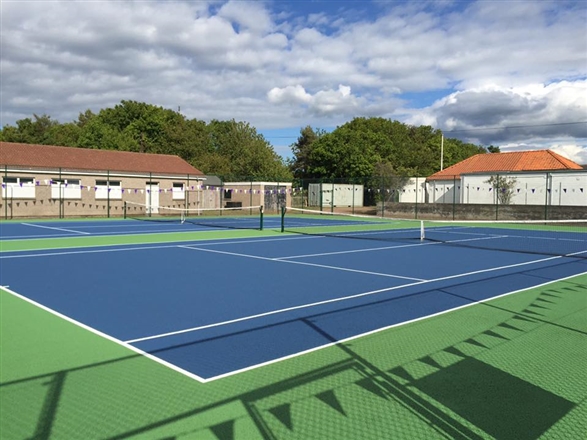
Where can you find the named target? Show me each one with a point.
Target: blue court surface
(212, 308)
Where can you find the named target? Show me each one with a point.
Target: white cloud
(571, 151)
(494, 113)
(500, 66)
(323, 102)
(289, 95)
(248, 15)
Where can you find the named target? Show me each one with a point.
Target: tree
(302, 150)
(389, 181)
(345, 153)
(247, 153)
(140, 127)
(503, 187)
(353, 149)
(30, 131)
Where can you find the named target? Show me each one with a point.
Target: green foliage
(248, 153)
(302, 149)
(503, 187)
(224, 148)
(354, 149)
(36, 130)
(234, 150)
(344, 153)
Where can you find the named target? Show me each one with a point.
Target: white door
(152, 197)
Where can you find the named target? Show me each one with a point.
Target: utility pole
(441, 151)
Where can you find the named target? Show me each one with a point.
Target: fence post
(332, 198)
(108, 193)
(496, 190)
(150, 192)
(382, 192)
(546, 192)
(221, 194)
(454, 195)
(187, 194)
(5, 186)
(321, 201)
(60, 199)
(416, 205)
(353, 190)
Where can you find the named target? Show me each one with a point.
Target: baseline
(103, 335)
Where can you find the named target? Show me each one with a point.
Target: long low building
(53, 181)
(540, 177)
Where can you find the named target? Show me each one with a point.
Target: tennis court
(259, 315)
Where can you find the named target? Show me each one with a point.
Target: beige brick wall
(84, 200)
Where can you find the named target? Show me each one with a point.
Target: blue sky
(470, 68)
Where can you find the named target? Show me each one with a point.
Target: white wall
(342, 194)
(555, 188)
(444, 191)
(414, 191)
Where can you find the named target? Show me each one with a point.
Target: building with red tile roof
(49, 156)
(53, 181)
(539, 160)
(540, 177)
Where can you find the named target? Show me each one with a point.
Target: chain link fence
(60, 193)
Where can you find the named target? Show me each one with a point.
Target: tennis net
(545, 237)
(250, 217)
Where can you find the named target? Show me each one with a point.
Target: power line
(464, 130)
(507, 127)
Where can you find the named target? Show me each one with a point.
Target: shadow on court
(508, 369)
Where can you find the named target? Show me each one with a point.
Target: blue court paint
(142, 291)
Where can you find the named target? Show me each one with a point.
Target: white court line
(93, 251)
(35, 237)
(356, 251)
(525, 237)
(89, 234)
(299, 262)
(55, 229)
(328, 301)
(371, 332)
(104, 335)
(50, 251)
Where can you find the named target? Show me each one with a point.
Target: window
(18, 187)
(178, 191)
(227, 194)
(108, 189)
(66, 189)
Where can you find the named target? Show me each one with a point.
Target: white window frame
(66, 189)
(178, 191)
(14, 187)
(108, 189)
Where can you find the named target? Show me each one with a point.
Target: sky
(507, 73)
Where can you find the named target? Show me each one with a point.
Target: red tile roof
(538, 160)
(69, 158)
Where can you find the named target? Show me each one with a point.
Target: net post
(124, 209)
(261, 217)
(422, 232)
(283, 219)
